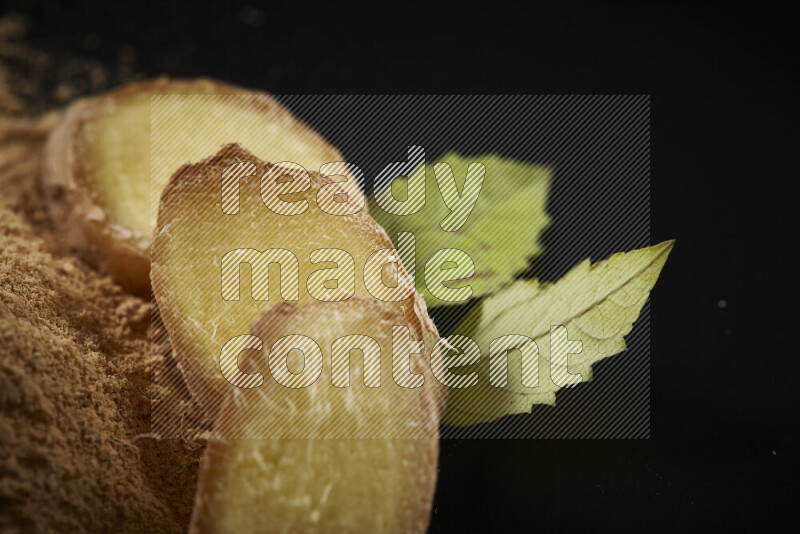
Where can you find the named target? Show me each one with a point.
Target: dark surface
(723, 426)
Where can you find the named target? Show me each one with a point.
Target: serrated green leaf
(502, 232)
(598, 305)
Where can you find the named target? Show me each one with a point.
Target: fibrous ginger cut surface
(322, 485)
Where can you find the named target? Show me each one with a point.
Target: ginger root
(97, 171)
(193, 235)
(375, 485)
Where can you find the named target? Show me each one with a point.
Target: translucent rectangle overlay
(515, 188)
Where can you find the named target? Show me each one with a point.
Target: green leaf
(502, 232)
(597, 304)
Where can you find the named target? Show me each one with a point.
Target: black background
(724, 434)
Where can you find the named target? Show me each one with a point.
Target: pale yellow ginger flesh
(322, 485)
(110, 157)
(336, 486)
(194, 234)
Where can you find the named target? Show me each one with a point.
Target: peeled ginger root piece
(322, 485)
(192, 236)
(97, 171)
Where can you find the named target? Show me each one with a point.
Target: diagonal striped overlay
(599, 204)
